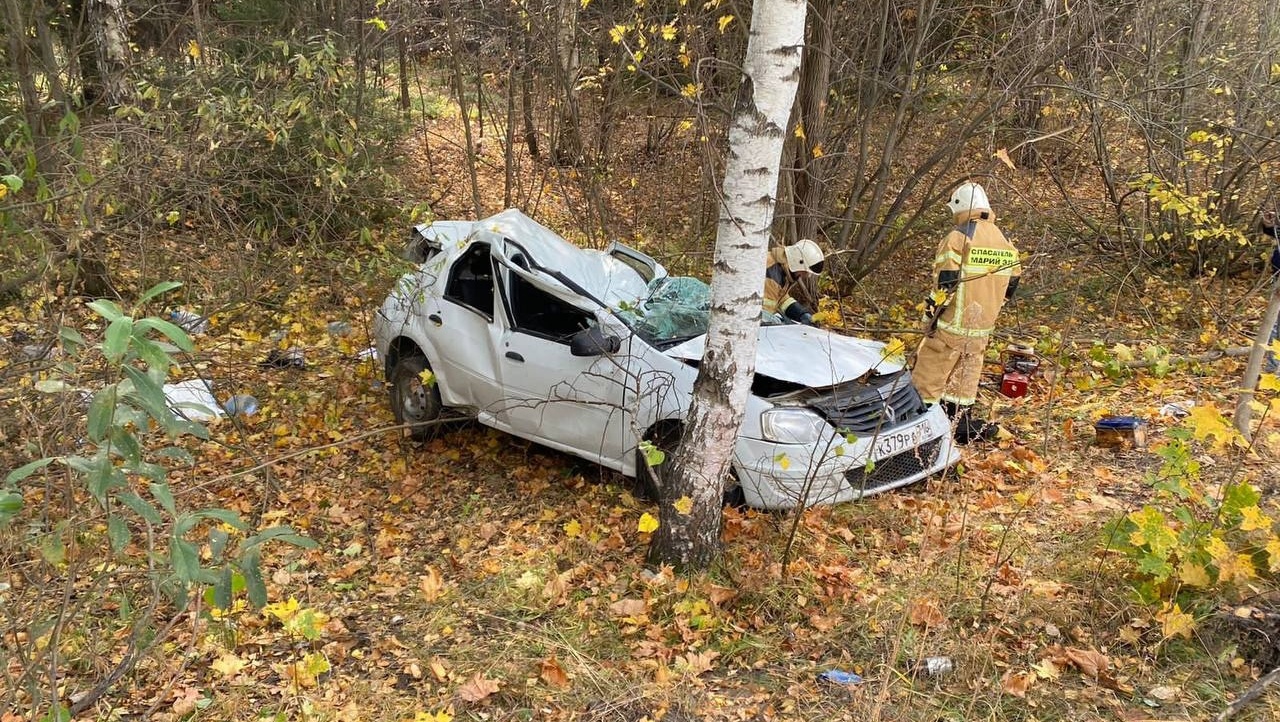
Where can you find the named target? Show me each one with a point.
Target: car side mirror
(594, 342)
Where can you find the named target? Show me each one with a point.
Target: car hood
(804, 355)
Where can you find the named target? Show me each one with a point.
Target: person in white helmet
(786, 266)
(977, 269)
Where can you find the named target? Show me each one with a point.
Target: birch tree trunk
(771, 70)
(1253, 369)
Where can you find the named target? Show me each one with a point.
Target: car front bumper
(786, 476)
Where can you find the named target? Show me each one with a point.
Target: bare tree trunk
(508, 140)
(455, 50)
(50, 59)
(110, 34)
(526, 96)
(21, 61)
(690, 541)
(815, 82)
(93, 277)
(1193, 50)
(1253, 370)
(566, 147)
(361, 55)
(1029, 105)
(402, 58)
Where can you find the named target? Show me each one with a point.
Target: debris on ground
(839, 676)
(189, 321)
(290, 358)
(241, 404)
(932, 666)
(193, 400)
(1121, 432)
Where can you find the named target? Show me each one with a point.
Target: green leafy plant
(1187, 217)
(1189, 542)
(118, 491)
(283, 141)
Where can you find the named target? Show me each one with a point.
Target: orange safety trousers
(949, 368)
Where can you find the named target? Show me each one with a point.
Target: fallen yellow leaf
(228, 665)
(647, 523)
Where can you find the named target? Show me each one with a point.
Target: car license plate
(899, 441)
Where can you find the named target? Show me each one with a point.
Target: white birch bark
(1253, 369)
(771, 72)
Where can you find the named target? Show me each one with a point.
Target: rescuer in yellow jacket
(786, 265)
(977, 270)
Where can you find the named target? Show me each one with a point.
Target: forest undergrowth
(476, 576)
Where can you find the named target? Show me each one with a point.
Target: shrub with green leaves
(284, 143)
(1191, 541)
(106, 548)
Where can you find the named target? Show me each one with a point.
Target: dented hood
(805, 355)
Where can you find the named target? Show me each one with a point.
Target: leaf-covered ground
(480, 577)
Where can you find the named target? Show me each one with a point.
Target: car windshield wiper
(663, 344)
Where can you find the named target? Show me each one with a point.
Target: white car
(594, 352)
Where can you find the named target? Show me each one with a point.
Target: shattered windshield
(677, 309)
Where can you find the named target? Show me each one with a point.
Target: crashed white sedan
(595, 352)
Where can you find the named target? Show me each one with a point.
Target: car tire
(734, 496)
(412, 400)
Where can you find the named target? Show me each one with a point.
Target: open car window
(536, 312)
(471, 280)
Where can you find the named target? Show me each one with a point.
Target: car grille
(883, 402)
(894, 468)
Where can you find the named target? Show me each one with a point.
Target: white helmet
(804, 255)
(968, 197)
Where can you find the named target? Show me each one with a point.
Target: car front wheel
(415, 400)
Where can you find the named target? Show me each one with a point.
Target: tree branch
(1250, 695)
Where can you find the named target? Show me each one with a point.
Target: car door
(573, 403)
(465, 332)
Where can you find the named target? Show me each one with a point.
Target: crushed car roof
(600, 274)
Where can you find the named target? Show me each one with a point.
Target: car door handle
(515, 356)
(435, 318)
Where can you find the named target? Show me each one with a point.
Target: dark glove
(798, 313)
(948, 280)
(1011, 289)
(930, 305)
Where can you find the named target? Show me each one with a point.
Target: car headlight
(792, 426)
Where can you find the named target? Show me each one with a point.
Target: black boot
(961, 426)
(950, 409)
(969, 429)
(966, 429)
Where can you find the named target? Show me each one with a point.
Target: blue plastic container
(1121, 431)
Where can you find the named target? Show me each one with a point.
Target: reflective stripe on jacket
(777, 282)
(984, 274)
